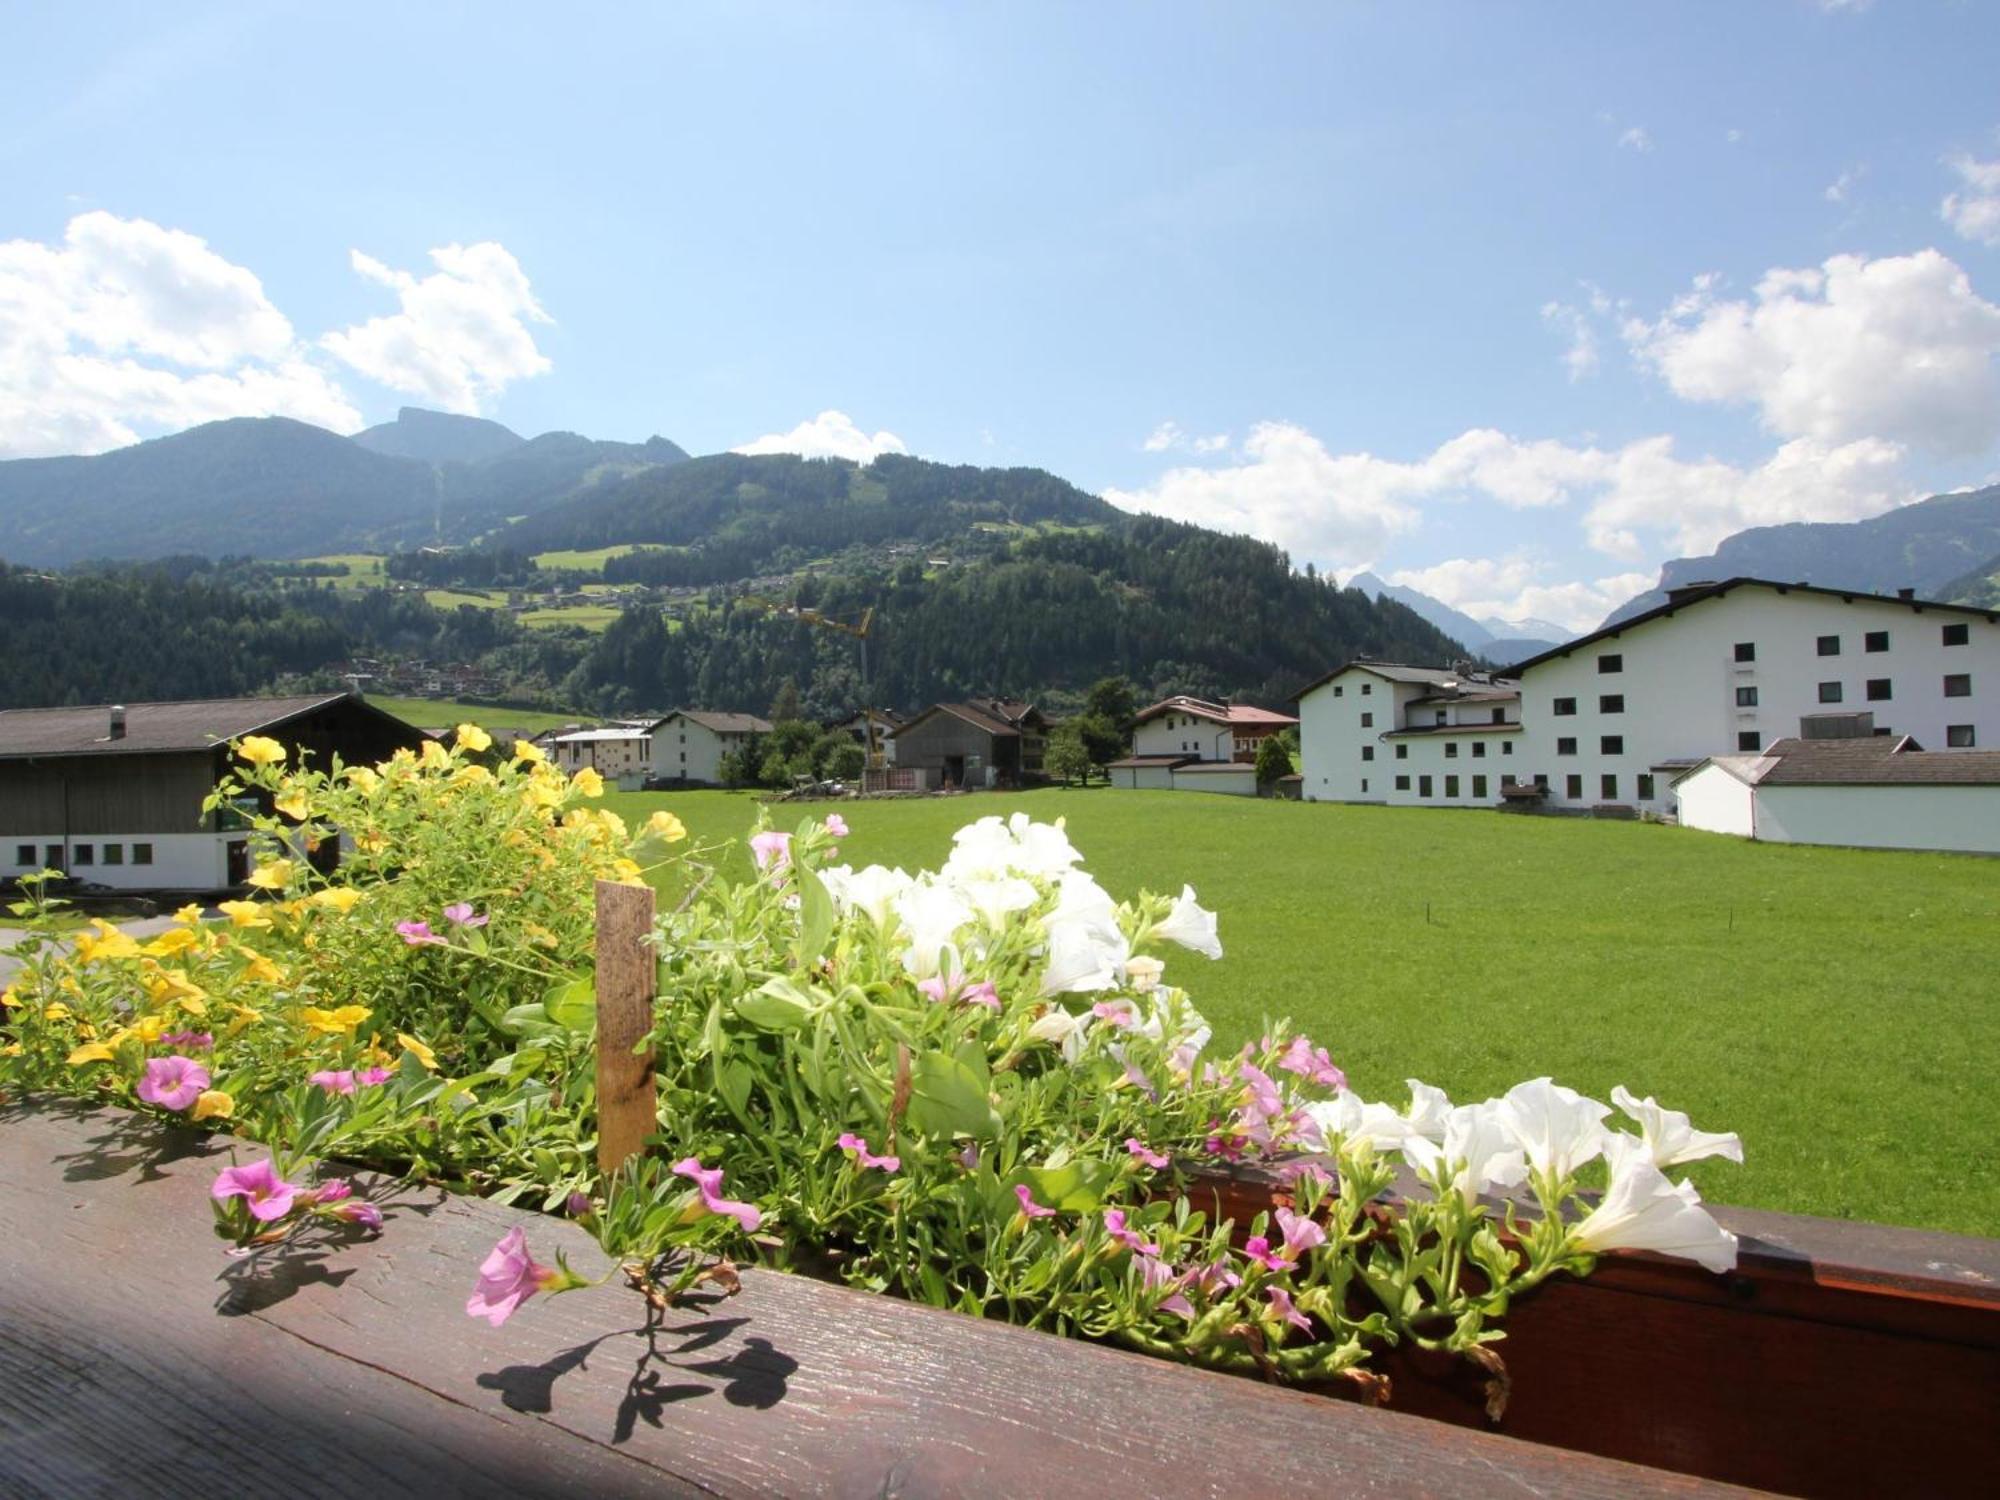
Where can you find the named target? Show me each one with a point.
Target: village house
(621, 753)
(1376, 731)
(1845, 784)
(979, 743)
(689, 743)
(113, 794)
(1189, 744)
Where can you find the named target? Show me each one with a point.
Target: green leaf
(1076, 1186)
(778, 1005)
(525, 1020)
(573, 1005)
(733, 1079)
(815, 917)
(948, 1095)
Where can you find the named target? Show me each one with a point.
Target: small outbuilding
(979, 743)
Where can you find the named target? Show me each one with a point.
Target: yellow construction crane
(859, 630)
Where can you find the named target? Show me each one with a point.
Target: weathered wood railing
(1838, 1359)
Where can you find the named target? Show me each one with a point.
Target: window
(1878, 690)
(1339, 691)
(1749, 739)
(1645, 791)
(1479, 786)
(1423, 786)
(1541, 781)
(1573, 788)
(1499, 716)
(1451, 786)
(1566, 746)
(114, 854)
(1608, 787)
(1829, 692)
(1441, 717)
(52, 856)
(1364, 786)
(1611, 744)
(1368, 721)
(1611, 703)
(1746, 697)
(1957, 635)
(1479, 749)
(1829, 645)
(24, 855)
(1451, 749)
(1958, 685)
(1875, 640)
(1609, 664)
(1746, 650)
(85, 854)
(1506, 747)
(1367, 752)
(142, 854)
(1958, 736)
(1563, 707)
(1402, 752)
(1402, 783)
(1367, 688)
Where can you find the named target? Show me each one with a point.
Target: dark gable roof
(156, 728)
(1000, 717)
(1694, 596)
(722, 723)
(1145, 762)
(1879, 760)
(1218, 713)
(1394, 671)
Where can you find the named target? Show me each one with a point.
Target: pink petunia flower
(1313, 1063)
(359, 1211)
(1213, 1277)
(709, 1180)
(369, 1077)
(460, 914)
(863, 1157)
(189, 1041)
(1118, 1013)
(1258, 1249)
(1028, 1204)
(334, 1080)
(333, 1191)
(981, 993)
(1264, 1095)
(173, 1082)
(1301, 1233)
(1155, 1273)
(969, 1157)
(267, 1194)
(836, 825)
(508, 1277)
(417, 934)
(1154, 1159)
(1114, 1225)
(1281, 1304)
(772, 850)
(939, 988)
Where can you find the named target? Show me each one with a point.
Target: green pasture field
(477, 598)
(589, 616)
(592, 561)
(434, 712)
(1839, 1008)
(364, 570)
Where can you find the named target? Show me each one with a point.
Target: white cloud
(128, 327)
(1975, 211)
(462, 334)
(1580, 357)
(1734, 136)
(1899, 348)
(1168, 437)
(1636, 138)
(831, 434)
(1842, 187)
(1517, 587)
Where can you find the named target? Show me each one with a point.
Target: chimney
(117, 721)
(1906, 593)
(1679, 591)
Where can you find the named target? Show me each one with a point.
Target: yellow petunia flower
(244, 1015)
(56, 1012)
(263, 971)
(9, 1000)
(335, 1022)
(529, 751)
(260, 751)
(364, 780)
(148, 1029)
(107, 943)
(213, 1104)
(471, 737)
(474, 775)
(588, 782)
(434, 757)
(271, 877)
(173, 940)
(665, 825)
(244, 914)
(292, 803)
(418, 1050)
(374, 841)
(90, 1052)
(12, 1049)
(340, 898)
(189, 915)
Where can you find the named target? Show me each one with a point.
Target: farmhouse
(620, 753)
(1870, 791)
(1377, 731)
(982, 742)
(689, 743)
(113, 794)
(1198, 730)
(1730, 668)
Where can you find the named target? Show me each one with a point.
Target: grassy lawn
(432, 712)
(364, 569)
(589, 616)
(592, 561)
(1839, 1008)
(477, 598)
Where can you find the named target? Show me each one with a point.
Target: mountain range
(1502, 642)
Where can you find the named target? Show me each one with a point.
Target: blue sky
(1508, 301)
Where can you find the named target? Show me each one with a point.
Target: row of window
(1958, 634)
(1450, 750)
(1610, 744)
(80, 854)
(1607, 703)
(1340, 691)
(1879, 689)
(1643, 786)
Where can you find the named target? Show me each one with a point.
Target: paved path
(139, 927)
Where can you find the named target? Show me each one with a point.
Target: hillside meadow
(1839, 1008)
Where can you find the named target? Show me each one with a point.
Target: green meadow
(1839, 1008)
(432, 713)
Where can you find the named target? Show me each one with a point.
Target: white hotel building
(1609, 719)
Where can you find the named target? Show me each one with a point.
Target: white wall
(1184, 734)
(1332, 737)
(1713, 801)
(683, 749)
(1679, 682)
(1143, 778)
(1964, 818)
(1240, 781)
(181, 861)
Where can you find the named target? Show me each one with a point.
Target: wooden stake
(627, 981)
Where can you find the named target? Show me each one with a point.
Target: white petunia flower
(1346, 1116)
(932, 914)
(872, 891)
(1670, 1138)
(1557, 1127)
(1641, 1210)
(1477, 1153)
(1429, 1110)
(1190, 925)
